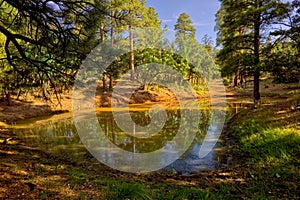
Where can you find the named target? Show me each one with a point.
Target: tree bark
(131, 52)
(241, 79)
(8, 99)
(112, 29)
(104, 81)
(110, 82)
(235, 81)
(102, 33)
(112, 40)
(257, 24)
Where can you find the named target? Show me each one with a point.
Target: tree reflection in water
(61, 138)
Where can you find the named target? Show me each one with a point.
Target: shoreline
(29, 173)
(36, 107)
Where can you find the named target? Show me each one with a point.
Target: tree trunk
(8, 98)
(110, 82)
(104, 82)
(241, 79)
(19, 93)
(112, 29)
(102, 33)
(256, 88)
(235, 81)
(131, 62)
(112, 40)
(257, 23)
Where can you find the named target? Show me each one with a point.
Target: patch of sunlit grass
(269, 145)
(272, 145)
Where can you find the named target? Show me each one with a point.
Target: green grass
(263, 142)
(269, 152)
(119, 189)
(123, 190)
(181, 193)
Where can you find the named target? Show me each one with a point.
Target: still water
(58, 135)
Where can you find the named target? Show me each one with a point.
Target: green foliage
(283, 62)
(42, 45)
(184, 26)
(245, 28)
(51, 59)
(196, 70)
(208, 44)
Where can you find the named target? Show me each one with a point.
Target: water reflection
(61, 138)
(131, 142)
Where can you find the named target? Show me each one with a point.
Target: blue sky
(202, 13)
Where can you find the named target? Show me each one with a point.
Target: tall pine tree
(244, 26)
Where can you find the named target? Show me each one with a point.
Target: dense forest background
(43, 43)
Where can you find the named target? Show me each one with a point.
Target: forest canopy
(43, 43)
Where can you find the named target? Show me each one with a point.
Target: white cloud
(166, 20)
(197, 24)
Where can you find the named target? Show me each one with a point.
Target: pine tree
(45, 41)
(244, 26)
(186, 45)
(208, 44)
(184, 26)
(135, 12)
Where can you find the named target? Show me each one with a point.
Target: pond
(58, 135)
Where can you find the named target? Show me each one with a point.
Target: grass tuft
(122, 190)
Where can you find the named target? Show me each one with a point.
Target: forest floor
(263, 159)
